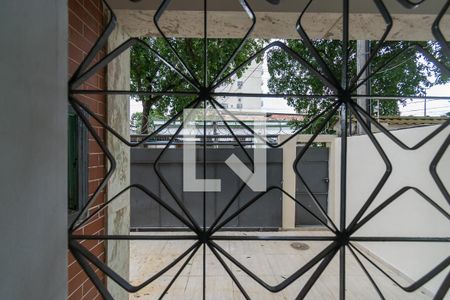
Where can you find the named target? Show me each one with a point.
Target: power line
(427, 100)
(428, 109)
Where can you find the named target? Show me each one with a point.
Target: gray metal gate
(263, 214)
(314, 166)
(146, 214)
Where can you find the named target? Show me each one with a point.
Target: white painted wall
(409, 215)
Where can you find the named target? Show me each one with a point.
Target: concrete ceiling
(361, 6)
(227, 19)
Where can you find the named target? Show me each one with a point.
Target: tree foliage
(406, 75)
(149, 73)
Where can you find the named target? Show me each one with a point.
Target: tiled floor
(271, 261)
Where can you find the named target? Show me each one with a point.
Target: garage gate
(264, 214)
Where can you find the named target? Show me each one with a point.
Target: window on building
(77, 146)
(239, 104)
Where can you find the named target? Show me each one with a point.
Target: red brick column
(86, 21)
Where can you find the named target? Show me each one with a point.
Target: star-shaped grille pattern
(342, 100)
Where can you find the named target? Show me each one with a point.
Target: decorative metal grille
(343, 97)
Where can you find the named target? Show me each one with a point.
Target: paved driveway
(271, 261)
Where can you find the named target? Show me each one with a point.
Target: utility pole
(425, 106)
(362, 55)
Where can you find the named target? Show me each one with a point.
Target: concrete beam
(286, 6)
(227, 19)
(289, 178)
(118, 211)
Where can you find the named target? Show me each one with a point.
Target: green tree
(406, 75)
(149, 73)
(136, 122)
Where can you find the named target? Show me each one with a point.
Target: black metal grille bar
(342, 95)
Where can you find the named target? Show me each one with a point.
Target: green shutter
(73, 162)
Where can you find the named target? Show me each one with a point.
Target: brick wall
(86, 21)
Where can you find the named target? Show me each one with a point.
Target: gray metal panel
(266, 212)
(315, 175)
(313, 168)
(146, 212)
(302, 217)
(173, 174)
(230, 186)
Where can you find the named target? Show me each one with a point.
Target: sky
(413, 108)
(434, 107)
